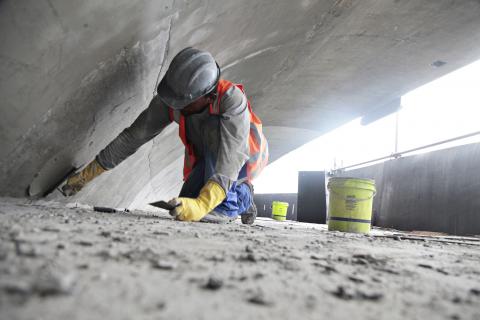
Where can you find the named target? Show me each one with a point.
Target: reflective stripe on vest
(258, 147)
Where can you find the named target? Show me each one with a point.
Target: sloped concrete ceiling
(73, 74)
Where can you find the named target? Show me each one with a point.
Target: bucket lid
(346, 182)
(280, 203)
(340, 179)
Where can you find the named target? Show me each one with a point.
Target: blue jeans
(238, 199)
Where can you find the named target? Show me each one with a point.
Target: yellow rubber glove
(211, 195)
(76, 182)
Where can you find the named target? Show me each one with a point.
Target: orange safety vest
(257, 142)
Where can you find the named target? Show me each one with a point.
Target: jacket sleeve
(233, 148)
(148, 124)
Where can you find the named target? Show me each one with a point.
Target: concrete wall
(436, 191)
(264, 204)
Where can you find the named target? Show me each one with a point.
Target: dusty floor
(59, 262)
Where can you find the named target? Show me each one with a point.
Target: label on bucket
(350, 202)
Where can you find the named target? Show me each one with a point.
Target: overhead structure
(74, 74)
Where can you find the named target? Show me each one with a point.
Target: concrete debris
(120, 239)
(84, 243)
(216, 258)
(326, 268)
(442, 271)
(51, 229)
(213, 283)
(356, 279)
(258, 297)
(159, 265)
(107, 254)
(475, 291)
(162, 233)
(53, 283)
(141, 255)
(367, 259)
(355, 294)
(249, 257)
(105, 234)
(258, 275)
(15, 287)
(163, 265)
(83, 266)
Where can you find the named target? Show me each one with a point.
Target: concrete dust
(58, 263)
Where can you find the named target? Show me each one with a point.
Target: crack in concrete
(165, 52)
(57, 16)
(94, 125)
(363, 34)
(121, 103)
(165, 55)
(252, 55)
(150, 165)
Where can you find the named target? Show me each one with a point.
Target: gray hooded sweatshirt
(225, 135)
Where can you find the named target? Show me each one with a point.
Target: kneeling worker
(224, 144)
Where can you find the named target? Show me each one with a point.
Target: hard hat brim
(170, 98)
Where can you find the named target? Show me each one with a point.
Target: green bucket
(350, 204)
(279, 210)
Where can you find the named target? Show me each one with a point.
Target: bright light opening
(445, 108)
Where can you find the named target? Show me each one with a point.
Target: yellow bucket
(279, 210)
(350, 204)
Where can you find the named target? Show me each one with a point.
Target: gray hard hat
(192, 73)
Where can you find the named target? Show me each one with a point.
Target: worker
(225, 148)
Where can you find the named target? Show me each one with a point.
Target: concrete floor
(59, 261)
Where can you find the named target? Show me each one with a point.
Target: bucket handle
(356, 200)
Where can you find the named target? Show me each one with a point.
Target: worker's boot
(217, 217)
(249, 216)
